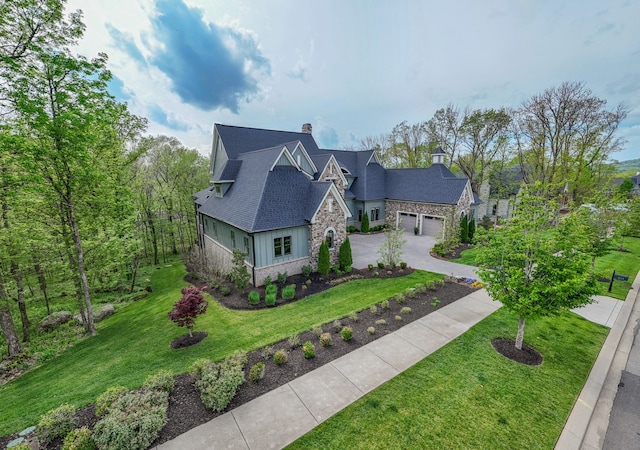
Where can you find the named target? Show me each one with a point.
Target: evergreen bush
(324, 259)
(364, 227)
(346, 259)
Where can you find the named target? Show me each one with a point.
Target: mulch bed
(507, 348)
(453, 253)
(186, 410)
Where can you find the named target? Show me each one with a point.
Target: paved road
(416, 253)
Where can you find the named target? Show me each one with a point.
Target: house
(635, 183)
(276, 196)
(498, 194)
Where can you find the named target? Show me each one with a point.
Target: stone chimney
(306, 128)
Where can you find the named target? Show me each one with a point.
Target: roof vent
(306, 128)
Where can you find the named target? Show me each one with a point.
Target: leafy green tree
(464, 229)
(324, 259)
(346, 259)
(625, 188)
(364, 225)
(239, 274)
(533, 268)
(472, 229)
(391, 249)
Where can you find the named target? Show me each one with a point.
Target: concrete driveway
(364, 248)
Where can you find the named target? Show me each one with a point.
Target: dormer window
(218, 190)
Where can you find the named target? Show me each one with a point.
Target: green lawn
(622, 262)
(134, 342)
(466, 395)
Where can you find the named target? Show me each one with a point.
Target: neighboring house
(635, 190)
(498, 194)
(276, 196)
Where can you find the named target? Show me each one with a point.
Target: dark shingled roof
(239, 140)
(435, 184)
(202, 196)
(230, 170)
(320, 161)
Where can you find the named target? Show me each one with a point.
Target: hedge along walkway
(134, 343)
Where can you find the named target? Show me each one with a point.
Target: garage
(432, 226)
(407, 221)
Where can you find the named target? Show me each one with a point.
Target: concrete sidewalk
(283, 415)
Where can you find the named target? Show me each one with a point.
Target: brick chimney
(306, 128)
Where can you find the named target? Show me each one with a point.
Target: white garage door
(432, 226)
(407, 221)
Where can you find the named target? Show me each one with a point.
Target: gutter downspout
(253, 251)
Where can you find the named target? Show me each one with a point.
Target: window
(214, 225)
(375, 214)
(330, 205)
(246, 245)
(233, 239)
(359, 215)
(329, 238)
(282, 246)
(218, 190)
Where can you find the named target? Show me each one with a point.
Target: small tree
(191, 305)
(535, 269)
(324, 259)
(464, 229)
(364, 225)
(391, 249)
(625, 188)
(346, 259)
(472, 229)
(239, 274)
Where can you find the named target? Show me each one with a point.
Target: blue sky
(356, 68)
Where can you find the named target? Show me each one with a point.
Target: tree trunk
(81, 270)
(22, 306)
(6, 323)
(154, 237)
(134, 271)
(520, 336)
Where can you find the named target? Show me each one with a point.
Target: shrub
(324, 259)
(317, 331)
(381, 322)
(337, 325)
(347, 333)
(271, 289)
(336, 269)
(198, 366)
(280, 357)
(472, 230)
(254, 297)
(256, 373)
(309, 350)
(398, 318)
(289, 292)
(163, 381)
(267, 351)
(430, 285)
(373, 309)
(370, 267)
(325, 340)
(405, 310)
(345, 257)
(219, 383)
(267, 281)
(239, 274)
(306, 271)
(375, 273)
(364, 225)
(190, 306)
(303, 287)
(79, 439)
(351, 229)
(403, 265)
(400, 298)
(282, 278)
(134, 421)
(294, 341)
(56, 423)
(107, 398)
(380, 265)
(371, 330)
(225, 290)
(411, 292)
(308, 282)
(384, 304)
(270, 299)
(353, 317)
(435, 301)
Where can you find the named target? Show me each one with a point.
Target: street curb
(588, 421)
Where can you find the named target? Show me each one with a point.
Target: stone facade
(330, 216)
(332, 172)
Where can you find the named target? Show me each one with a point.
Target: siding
(303, 162)
(264, 245)
(220, 157)
(221, 233)
(367, 206)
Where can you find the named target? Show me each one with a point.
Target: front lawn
(625, 263)
(466, 395)
(135, 342)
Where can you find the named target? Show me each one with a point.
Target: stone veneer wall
(335, 176)
(325, 219)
